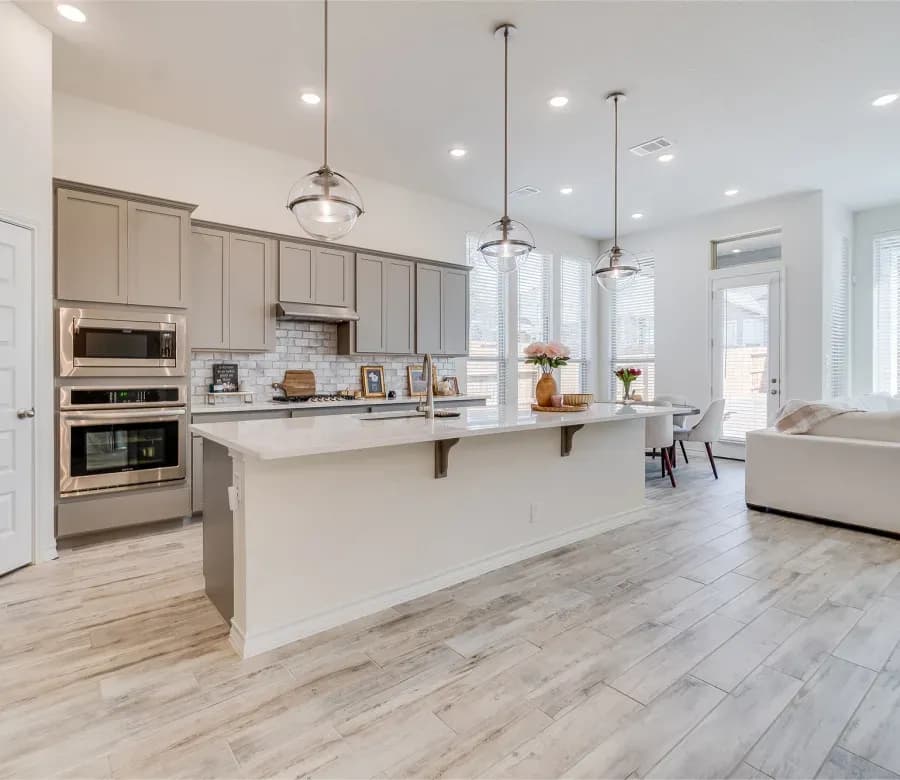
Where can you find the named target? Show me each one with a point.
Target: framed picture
(373, 381)
(415, 380)
(453, 382)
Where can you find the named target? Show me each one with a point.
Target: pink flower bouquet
(548, 355)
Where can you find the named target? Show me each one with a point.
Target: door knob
(24, 414)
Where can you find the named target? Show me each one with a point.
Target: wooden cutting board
(299, 383)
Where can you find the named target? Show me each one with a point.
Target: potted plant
(548, 356)
(626, 377)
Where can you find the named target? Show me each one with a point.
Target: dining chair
(659, 435)
(707, 430)
(678, 419)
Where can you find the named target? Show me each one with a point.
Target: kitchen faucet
(426, 405)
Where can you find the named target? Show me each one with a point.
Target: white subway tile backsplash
(311, 345)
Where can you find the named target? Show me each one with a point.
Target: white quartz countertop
(317, 435)
(200, 406)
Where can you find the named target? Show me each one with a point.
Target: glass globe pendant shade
(326, 204)
(616, 269)
(504, 243)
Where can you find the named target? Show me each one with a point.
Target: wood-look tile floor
(692, 638)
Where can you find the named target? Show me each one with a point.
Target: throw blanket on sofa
(802, 416)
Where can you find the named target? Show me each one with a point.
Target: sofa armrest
(852, 481)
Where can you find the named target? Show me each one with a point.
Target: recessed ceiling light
(637, 215)
(71, 13)
(458, 151)
(667, 157)
(731, 193)
(311, 98)
(565, 190)
(735, 251)
(885, 100)
(558, 101)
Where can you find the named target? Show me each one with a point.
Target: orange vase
(545, 390)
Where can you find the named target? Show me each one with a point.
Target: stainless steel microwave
(115, 342)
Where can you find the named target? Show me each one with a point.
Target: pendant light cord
(616, 173)
(325, 100)
(506, 123)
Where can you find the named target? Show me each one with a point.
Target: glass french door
(746, 353)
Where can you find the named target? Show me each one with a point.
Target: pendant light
(616, 269)
(325, 203)
(505, 242)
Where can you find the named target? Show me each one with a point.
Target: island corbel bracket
(442, 456)
(566, 434)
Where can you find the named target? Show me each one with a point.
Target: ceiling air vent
(525, 192)
(651, 147)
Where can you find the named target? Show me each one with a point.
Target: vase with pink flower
(626, 377)
(549, 356)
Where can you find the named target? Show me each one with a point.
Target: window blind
(533, 309)
(839, 362)
(886, 257)
(485, 367)
(632, 336)
(574, 322)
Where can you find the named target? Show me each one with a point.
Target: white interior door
(746, 354)
(16, 397)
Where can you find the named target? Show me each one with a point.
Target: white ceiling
(768, 97)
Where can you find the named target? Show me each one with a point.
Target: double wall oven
(122, 399)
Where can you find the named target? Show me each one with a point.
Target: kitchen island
(312, 522)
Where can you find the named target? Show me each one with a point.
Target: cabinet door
(455, 304)
(251, 292)
(429, 328)
(209, 289)
(333, 277)
(91, 251)
(399, 307)
(295, 272)
(157, 255)
(196, 474)
(370, 303)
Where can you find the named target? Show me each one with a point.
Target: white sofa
(846, 470)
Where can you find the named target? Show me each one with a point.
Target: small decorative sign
(225, 375)
(373, 381)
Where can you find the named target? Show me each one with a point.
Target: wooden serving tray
(580, 408)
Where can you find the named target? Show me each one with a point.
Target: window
(485, 367)
(632, 339)
(886, 256)
(547, 298)
(839, 362)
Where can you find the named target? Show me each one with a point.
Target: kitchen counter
(298, 437)
(315, 521)
(200, 406)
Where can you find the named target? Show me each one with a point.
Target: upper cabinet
(233, 291)
(442, 310)
(112, 248)
(313, 274)
(385, 303)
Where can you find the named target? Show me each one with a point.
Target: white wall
(683, 273)
(866, 225)
(239, 184)
(25, 198)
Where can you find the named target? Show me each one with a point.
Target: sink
(401, 415)
(390, 415)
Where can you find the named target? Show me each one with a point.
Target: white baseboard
(254, 644)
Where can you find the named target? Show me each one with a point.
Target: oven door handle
(113, 416)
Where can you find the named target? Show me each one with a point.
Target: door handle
(24, 414)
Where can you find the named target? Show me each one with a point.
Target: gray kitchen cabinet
(442, 310)
(385, 303)
(251, 293)
(314, 274)
(116, 247)
(209, 288)
(196, 474)
(232, 291)
(91, 247)
(157, 255)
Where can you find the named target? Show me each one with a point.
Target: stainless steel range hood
(311, 312)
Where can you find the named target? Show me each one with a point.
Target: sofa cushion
(872, 426)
